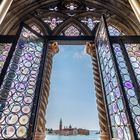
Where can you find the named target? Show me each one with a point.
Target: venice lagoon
(92, 136)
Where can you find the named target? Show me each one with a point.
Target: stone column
(4, 7)
(135, 4)
(104, 133)
(40, 131)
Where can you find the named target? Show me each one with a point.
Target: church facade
(30, 34)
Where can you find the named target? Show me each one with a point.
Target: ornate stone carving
(43, 101)
(104, 135)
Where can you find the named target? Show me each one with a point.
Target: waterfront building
(30, 33)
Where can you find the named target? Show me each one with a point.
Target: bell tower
(60, 125)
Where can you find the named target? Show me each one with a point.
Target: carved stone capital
(89, 48)
(53, 48)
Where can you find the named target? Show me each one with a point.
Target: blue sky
(72, 95)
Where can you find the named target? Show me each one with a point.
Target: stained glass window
(113, 92)
(113, 31)
(4, 50)
(71, 6)
(34, 27)
(128, 84)
(134, 55)
(18, 89)
(53, 21)
(90, 22)
(72, 31)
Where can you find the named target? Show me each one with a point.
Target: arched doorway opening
(72, 96)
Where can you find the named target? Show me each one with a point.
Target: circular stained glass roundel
(128, 84)
(20, 87)
(120, 133)
(138, 120)
(8, 132)
(23, 119)
(26, 109)
(12, 119)
(124, 118)
(14, 107)
(28, 56)
(117, 119)
(120, 104)
(133, 101)
(28, 100)
(21, 131)
(136, 110)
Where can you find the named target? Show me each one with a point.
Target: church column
(40, 131)
(104, 135)
(135, 4)
(4, 7)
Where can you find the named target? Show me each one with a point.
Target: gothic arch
(120, 11)
(72, 21)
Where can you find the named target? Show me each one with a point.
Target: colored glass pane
(128, 85)
(134, 56)
(18, 89)
(90, 22)
(113, 92)
(53, 21)
(72, 31)
(34, 27)
(4, 50)
(113, 31)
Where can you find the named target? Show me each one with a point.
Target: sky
(72, 93)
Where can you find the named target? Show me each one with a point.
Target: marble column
(104, 133)
(135, 4)
(4, 7)
(40, 132)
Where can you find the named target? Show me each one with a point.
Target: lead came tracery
(18, 88)
(129, 88)
(114, 96)
(4, 50)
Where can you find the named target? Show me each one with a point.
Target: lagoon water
(92, 136)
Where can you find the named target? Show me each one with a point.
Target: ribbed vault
(118, 13)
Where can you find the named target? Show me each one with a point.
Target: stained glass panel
(4, 50)
(113, 93)
(134, 56)
(113, 31)
(128, 85)
(53, 21)
(34, 27)
(90, 22)
(72, 31)
(18, 89)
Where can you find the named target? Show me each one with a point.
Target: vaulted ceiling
(118, 13)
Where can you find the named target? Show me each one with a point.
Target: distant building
(69, 130)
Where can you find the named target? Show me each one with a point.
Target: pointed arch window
(72, 31)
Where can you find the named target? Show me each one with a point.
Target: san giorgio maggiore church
(30, 34)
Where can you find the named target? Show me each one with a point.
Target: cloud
(79, 55)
